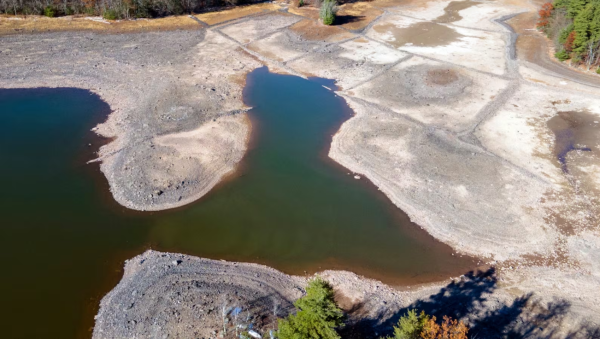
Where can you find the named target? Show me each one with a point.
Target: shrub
(450, 329)
(110, 14)
(300, 3)
(564, 34)
(569, 41)
(562, 55)
(545, 13)
(50, 12)
(318, 314)
(328, 11)
(410, 326)
(598, 70)
(422, 326)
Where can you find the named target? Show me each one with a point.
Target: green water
(63, 240)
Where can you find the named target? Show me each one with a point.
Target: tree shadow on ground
(346, 19)
(342, 2)
(472, 300)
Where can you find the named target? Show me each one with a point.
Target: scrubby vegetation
(422, 326)
(574, 26)
(328, 11)
(112, 9)
(318, 317)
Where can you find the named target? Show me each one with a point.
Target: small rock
(357, 177)
(254, 334)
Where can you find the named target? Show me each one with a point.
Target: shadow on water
(63, 239)
(468, 300)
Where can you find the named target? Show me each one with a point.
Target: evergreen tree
(586, 26)
(575, 6)
(318, 314)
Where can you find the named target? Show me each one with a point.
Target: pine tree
(582, 26)
(318, 315)
(575, 7)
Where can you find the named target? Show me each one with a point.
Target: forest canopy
(574, 26)
(112, 9)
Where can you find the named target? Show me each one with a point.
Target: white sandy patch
(480, 50)
(255, 28)
(207, 141)
(585, 248)
(356, 62)
(271, 48)
(593, 171)
(481, 16)
(462, 191)
(370, 51)
(97, 19)
(511, 135)
(483, 51)
(518, 132)
(396, 147)
(428, 11)
(398, 21)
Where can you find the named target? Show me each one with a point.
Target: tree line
(318, 317)
(574, 26)
(113, 9)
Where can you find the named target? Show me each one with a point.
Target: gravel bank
(163, 87)
(167, 295)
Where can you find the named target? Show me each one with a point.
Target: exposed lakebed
(288, 206)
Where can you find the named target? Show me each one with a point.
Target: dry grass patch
(358, 15)
(311, 30)
(394, 3)
(213, 18)
(36, 24)
(305, 11)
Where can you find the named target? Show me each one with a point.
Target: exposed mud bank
(168, 91)
(175, 295)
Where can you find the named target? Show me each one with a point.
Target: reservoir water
(63, 239)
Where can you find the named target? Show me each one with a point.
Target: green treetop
(318, 314)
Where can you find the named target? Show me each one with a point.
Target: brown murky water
(574, 131)
(577, 131)
(428, 33)
(425, 34)
(451, 11)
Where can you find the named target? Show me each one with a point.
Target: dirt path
(533, 47)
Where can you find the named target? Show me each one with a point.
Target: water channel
(63, 239)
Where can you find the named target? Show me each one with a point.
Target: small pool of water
(63, 241)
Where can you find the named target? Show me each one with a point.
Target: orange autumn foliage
(545, 14)
(449, 329)
(569, 41)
